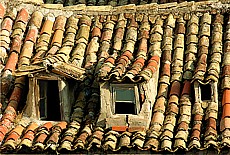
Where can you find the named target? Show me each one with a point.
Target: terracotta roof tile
(48, 25)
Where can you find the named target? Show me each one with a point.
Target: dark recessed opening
(124, 108)
(49, 100)
(205, 92)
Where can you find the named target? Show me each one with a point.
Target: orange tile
(12, 61)
(119, 128)
(47, 27)
(96, 32)
(195, 134)
(47, 125)
(23, 16)
(111, 60)
(57, 38)
(2, 11)
(175, 88)
(31, 127)
(226, 97)
(141, 61)
(62, 125)
(7, 24)
(14, 136)
(151, 68)
(128, 54)
(3, 129)
(1, 137)
(226, 110)
(152, 65)
(18, 129)
(155, 58)
(32, 34)
(187, 88)
(29, 135)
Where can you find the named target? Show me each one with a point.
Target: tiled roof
(189, 42)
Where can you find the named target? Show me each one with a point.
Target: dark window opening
(125, 99)
(124, 108)
(49, 103)
(206, 92)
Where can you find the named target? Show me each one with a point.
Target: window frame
(136, 103)
(39, 98)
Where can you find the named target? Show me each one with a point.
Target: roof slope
(185, 41)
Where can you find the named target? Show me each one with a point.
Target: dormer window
(50, 97)
(125, 99)
(206, 92)
(48, 100)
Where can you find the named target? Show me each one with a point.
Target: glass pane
(125, 95)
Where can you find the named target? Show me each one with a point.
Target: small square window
(206, 92)
(49, 103)
(125, 99)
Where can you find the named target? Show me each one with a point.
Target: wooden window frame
(136, 103)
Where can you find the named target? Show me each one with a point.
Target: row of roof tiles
(104, 2)
(115, 47)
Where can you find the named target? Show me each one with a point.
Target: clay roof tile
(2, 10)
(22, 16)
